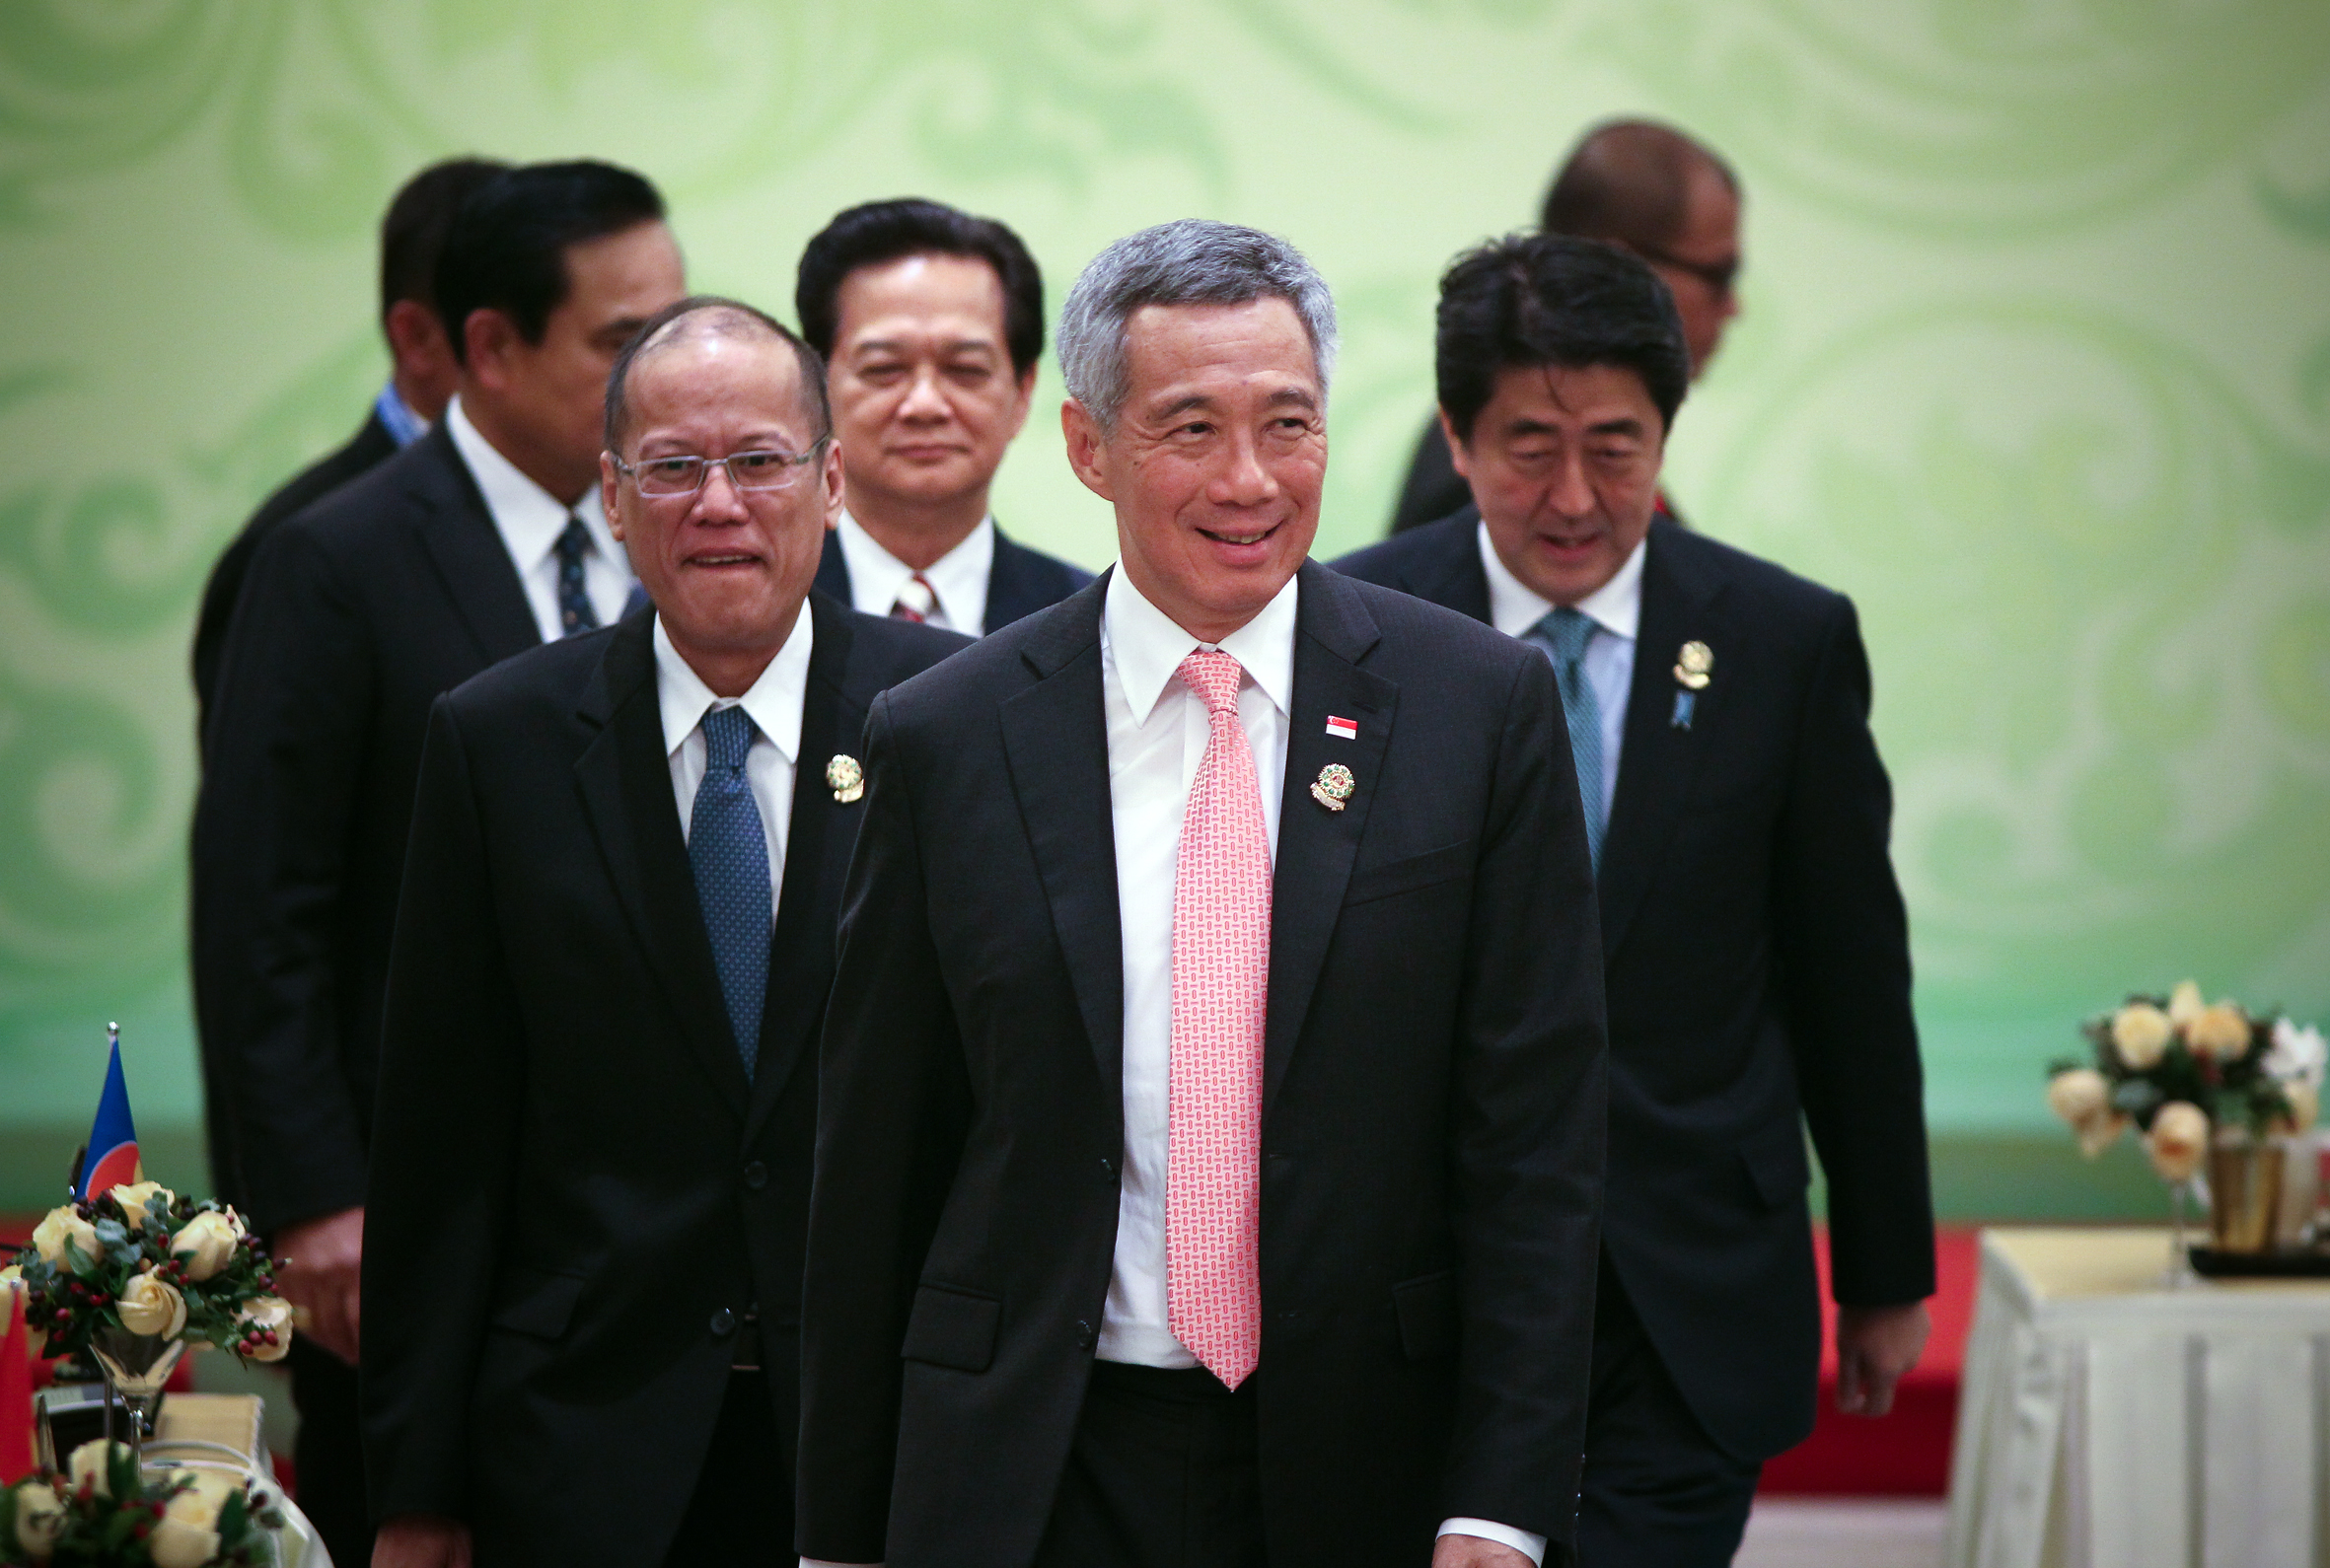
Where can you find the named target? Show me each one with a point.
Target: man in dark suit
(478, 542)
(1756, 948)
(1647, 188)
(930, 322)
(1209, 1138)
(611, 968)
(421, 377)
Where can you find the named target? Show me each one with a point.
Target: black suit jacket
(1432, 1114)
(357, 614)
(1019, 583)
(1758, 974)
(576, 1193)
(368, 448)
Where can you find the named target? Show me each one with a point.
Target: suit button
(756, 1174)
(1086, 1338)
(723, 1322)
(1108, 1168)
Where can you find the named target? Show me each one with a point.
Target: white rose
(2298, 1055)
(11, 1283)
(2178, 1139)
(211, 1240)
(2222, 1032)
(175, 1543)
(199, 1504)
(40, 1519)
(60, 1226)
(2184, 1003)
(2078, 1096)
(87, 1467)
(132, 1199)
(269, 1312)
(2102, 1133)
(150, 1305)
(2140, 1034)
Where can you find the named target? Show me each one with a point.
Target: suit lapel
(468, 550)
(801, 952)
(625, 779)
(1453, 577)
(1658, 760)
(1316, 845)
(1056, 741)
(1007, 589)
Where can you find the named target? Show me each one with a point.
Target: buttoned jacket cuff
(1522, 1540)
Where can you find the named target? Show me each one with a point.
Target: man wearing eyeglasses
(1647, 188)
(598, 1070)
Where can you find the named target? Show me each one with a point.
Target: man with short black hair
(479, 541)
(1210, 1118)
(1756, 949)
(1647, 188)
(421, 377)
(931, 321)
(609, 973)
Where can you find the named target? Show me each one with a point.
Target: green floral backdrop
(2035, 363)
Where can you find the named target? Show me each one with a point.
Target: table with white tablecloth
(2108, 1419)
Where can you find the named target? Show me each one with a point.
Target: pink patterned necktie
(1222, 966)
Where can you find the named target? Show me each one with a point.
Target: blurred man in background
(1755, 947)
(479, 541)
(421, 377)
(1651, 189)
(931, 321)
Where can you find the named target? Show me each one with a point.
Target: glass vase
(2244, 1189)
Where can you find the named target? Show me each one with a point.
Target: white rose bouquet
(143, 1259)
(2173, 1066)
(106, 1513)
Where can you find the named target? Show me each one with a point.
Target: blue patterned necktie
(1564, 635)
(729, 855)
(575, 614)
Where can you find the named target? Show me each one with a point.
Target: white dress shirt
(530, 520)
(1615, 608)
(775, 704)
(958, 579)
(1157, 731)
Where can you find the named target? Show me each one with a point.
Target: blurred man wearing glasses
(1647, 188)
(598, 1070)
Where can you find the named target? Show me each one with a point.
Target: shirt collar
(404, 427)
(958, 578)
(1514, 606)
(1148, 647)
(526, 516)
(773, 703)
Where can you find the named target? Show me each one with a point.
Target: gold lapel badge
(1334, 787)
(845, 779)
(1695, 665)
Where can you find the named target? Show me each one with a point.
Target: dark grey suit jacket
(1432, 1114)
(576, 1193)
(1019, 583)
(358, 612)
(1758, 971)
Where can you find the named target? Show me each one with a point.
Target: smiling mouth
(724, 560)
(1256, 536)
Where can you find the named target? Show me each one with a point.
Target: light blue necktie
(729, 855)
(1564, 635)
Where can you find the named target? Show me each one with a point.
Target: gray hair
(1189, 261)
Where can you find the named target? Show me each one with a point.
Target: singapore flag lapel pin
(1342, 729)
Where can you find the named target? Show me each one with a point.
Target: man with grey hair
(1210, 1113)
(590, 1167)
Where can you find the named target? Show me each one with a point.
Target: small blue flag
(111, 1160)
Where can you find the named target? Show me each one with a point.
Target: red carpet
(1908, 1452)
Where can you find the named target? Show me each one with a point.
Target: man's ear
(610, 482)
(489, 337)
(1085, 444)
(1458, 453)
(831, 475)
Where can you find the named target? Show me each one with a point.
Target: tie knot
(1213, 675)
(574, 542)
(728, 736)
(1569, 630)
